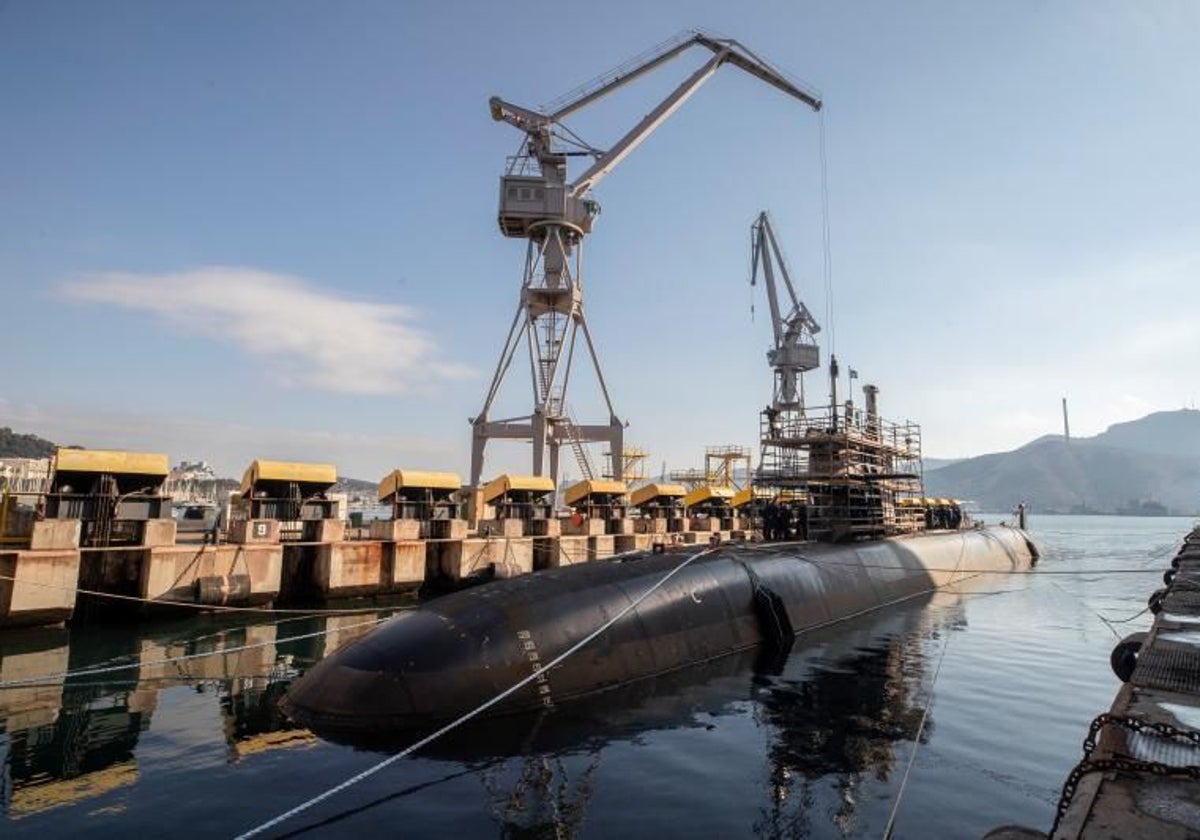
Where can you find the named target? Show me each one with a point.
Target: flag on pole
(853, 373)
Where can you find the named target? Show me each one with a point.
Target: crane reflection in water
(833, 710)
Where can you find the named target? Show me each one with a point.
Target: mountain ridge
(1151, 464)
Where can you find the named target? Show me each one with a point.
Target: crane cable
(825, 238)
(478, 710)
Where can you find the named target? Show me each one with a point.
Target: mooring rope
(887, 831)
(128, 666)
(478, 710)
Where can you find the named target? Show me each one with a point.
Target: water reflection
(832, 712)
(68, 739)
(837, 720)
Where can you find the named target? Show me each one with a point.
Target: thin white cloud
(315, 338)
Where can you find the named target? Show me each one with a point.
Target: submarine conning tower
(843, 473)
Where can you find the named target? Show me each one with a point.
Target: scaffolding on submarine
(852, 474)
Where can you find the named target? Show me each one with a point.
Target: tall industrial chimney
(1066, 424)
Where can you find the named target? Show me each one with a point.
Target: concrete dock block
(331, 531)
(501, 528)
(347, 569)
(170, 572)
(572, 550)
(516, 559)
(368, 567)
(457, 559)
(636, 542)
(585, 527)
(395, 530)
(159, 532)
(626, 542)
(246, 531)
(55, 535)
(38, 586)
(408, 564)
(598, 548)
(650, 526)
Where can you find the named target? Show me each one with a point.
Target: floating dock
(1140, 772)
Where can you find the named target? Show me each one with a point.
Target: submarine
(459, 651)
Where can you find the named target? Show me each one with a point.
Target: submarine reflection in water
(833, 710)
(457, 653)
(67, 740)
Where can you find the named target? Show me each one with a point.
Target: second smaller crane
(795, 350)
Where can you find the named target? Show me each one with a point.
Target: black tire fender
(1123, 658)
(1154, 602)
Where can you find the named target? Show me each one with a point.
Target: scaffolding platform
(856, 471)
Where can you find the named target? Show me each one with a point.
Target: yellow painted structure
(580, 491)
(928, 502)
(709, 493)
(287, 471)
(111, 461)
(506, 483)
(650, 492)
(412, 479)
(746, 495)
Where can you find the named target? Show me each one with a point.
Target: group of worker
(784, 522)
(943, 517)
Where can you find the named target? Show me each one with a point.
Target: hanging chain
(1088, 765)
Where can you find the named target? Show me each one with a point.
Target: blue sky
(233, 230)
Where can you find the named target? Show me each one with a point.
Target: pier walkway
(1140, 773)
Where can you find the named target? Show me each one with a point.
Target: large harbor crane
(795, 348)
(553, 214)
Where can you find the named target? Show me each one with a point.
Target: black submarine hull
(457, 652)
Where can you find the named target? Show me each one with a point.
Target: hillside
(1163, 432)
(14, 445)
(1154, 459)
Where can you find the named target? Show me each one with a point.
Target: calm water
(813, 744)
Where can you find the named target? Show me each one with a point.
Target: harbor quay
(1139, 775)
(98, 540)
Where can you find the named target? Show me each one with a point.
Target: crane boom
(538, 125)
(795, 349)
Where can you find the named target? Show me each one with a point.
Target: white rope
(553, 663)
(887, 831)
(128, 666)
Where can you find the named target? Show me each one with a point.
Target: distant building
(24, 475)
